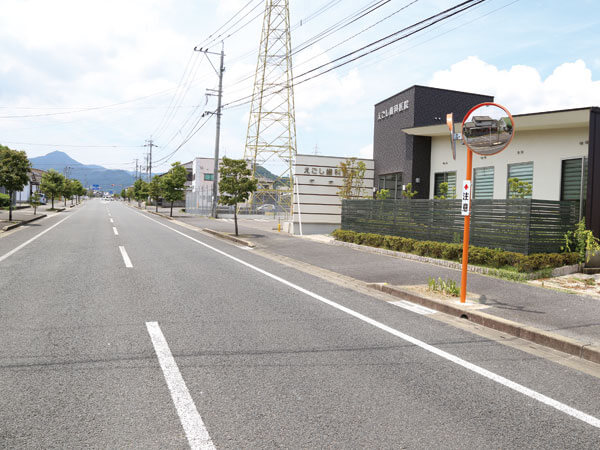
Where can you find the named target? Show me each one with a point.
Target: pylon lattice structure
(271, 137)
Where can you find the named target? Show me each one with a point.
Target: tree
(173, 184)
(52, 184)
(14, 172)
(78, 189)
(34, 201)
(443, 188)
(124, 193)
(519, 189)
(67, 189)
(353, 173)
(155, 190)
(409, 193)
(129, 193)
(382, 194)
(235, 184)
(140, 190)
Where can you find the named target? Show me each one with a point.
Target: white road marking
(414, 307)
(112, 221)
(591, 420)
(24, 244)
(193, 425)
(125, 256)
(115, 231)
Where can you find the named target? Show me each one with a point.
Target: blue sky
(66, 55)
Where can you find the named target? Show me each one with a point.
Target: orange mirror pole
(465, 253)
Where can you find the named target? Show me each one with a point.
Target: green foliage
(4, 200)
(519, 189)
(124, 193)
(236, 182)
(582, 241)
(52, 184)
(34, 201)
(443, 192)
(446, 286)
(78, 188)
(382, 194)
(155, 190)
(353, 178)
(409, 193)
(173, 183)
(481, 256)
(140, 190)
(14, 169)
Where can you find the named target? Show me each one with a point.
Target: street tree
(14, 170)
(78, 189)
(129, 193)
(353, 178)
(235, 184)
(140, 190)
(173, 184)
(67, 190)
(52, 184)
(124, 193)
(34, 201)
(155, 190)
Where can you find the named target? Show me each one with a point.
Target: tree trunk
(171, 215)
(156, 201)
(235, 219)
(10, 195)
(65, 201)
(53, 202)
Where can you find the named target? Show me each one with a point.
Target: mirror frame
(471, 111)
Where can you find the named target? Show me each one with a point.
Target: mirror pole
(465, 253)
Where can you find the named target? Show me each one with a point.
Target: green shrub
(481, 256)
(4, 200)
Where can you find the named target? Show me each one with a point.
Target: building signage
(466, 198)
(388, 112)
(325, 171)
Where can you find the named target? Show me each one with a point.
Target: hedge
(480, 256)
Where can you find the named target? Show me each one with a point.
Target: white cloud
(521, 88)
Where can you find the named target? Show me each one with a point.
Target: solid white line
(112, 221)
(125, 256)
(193, 425)
(115, 231)
(591, 420)
(15, 250)
(423, 310)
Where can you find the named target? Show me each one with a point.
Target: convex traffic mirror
(488, 129)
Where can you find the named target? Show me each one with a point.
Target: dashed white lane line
(580, 415)
(112, 221)
(414, 307)
(24, 244)
(115, 231)
(192, 423)
(125, 256)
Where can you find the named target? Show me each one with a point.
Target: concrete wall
(318, 181)
(200, 166)
(546, 148)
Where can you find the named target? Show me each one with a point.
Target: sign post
(487, 129)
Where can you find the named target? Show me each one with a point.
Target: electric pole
(150, 143)
(136, 168)
(219, 72)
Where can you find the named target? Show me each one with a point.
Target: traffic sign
(466, 198)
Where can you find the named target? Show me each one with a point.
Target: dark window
(445, 177)
(209, 177)
(393, 183)
(522, 171)
(573, 181)
(483, 186)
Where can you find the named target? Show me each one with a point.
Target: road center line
(591, 420)
(115, 231)
(125, 256)
(191, 421)
(24, 244)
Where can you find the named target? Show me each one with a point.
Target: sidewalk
(570, 315)
(27, 213)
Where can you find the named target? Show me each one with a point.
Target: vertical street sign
(466, 198)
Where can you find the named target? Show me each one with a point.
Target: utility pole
(220, 73)
(150, 143)
(136, 168)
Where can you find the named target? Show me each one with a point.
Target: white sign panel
(466, 198)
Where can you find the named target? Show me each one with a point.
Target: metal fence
(200, 201)
(519, 225)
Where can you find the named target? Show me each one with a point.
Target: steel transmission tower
(271, 138)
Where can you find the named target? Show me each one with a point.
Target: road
(201, 343)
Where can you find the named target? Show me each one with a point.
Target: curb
(158, 214)
(22, 222)
(555, 341)
(230, 238)
(559, 271)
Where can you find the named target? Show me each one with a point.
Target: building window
(522, 171)
(209, 177)
(393, 183)
(573, 181)
(483, 183)
(445, 177)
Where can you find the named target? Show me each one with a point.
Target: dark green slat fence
(520, 225)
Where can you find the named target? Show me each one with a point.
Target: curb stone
(229, 237)
(23, 222)
(158, 214)
(555, 341)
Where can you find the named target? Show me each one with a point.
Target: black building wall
(592, 213)
(395, 151)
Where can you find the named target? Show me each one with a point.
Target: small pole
(465, 253)
(299, 212)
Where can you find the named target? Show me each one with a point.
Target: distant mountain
(87, 174)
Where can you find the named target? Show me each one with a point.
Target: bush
(481, 256)
(4, 200)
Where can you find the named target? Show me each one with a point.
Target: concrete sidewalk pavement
(570, 315)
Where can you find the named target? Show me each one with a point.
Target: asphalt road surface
(121, 329)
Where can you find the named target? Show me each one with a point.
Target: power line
(234, 16)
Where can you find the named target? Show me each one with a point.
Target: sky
(98, 78)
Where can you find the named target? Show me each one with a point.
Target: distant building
(35, 179)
